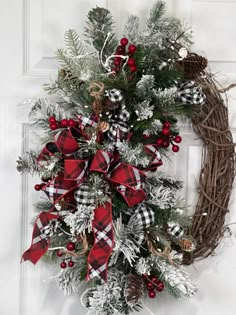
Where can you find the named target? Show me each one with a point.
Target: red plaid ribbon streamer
(152, 150)
(58, 188)
(103, 242)
(40, 242)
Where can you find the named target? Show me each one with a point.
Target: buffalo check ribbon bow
(127, 180)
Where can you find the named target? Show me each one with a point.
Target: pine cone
(192, 65)
(187, 245)
(134, 289)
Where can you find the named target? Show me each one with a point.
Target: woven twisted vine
(217, 170)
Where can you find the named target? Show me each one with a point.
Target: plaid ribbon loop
(190, 93)
(119, 129)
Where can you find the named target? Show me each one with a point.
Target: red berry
(132, 49)
(160, 286)
(175, 148)
(71, 263)
(64, 122)
(63, 265)
(177, 139)
(37, 187)
(166, 131)
(71, 123)
(59, 253)
(166, 124)
(120, 50)
(70, 246)
(133, 68)
(166, 143)
(159, 142)
(117, 61)
(154, 279)
(152, 294)
(131, 62)
(150, 285)
(52, 119)
(124, 41)
(54, 126)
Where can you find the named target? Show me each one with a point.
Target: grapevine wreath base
(218, 169)
(111, 217)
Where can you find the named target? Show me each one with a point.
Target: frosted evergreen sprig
(106, 298)
(144, 110)
(69, 280)
(125, 242)
(145, 86)
(28, 163)
(80, 220)
(133, 155)
(176, 279)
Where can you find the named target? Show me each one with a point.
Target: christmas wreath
(111, 217)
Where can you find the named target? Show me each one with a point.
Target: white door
(30, 31)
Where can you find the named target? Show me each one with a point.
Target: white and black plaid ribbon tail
(191, 93)
(143, 217)
(119, 126)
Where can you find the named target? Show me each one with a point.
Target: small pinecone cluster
(192, 66)
(134, 289)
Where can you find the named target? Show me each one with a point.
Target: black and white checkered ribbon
(191, 93)
(114, 95)
(175, 230)
(84, 195)
(144, 217)
(119, 126)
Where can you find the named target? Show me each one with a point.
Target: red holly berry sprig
(70, 247)
(121, 51)
(152, 283)
(64, 123)
(166, 138)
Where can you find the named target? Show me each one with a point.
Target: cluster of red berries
(152, 283)
(54, 124)
(167, 138)
(121, 51)
(38, 187)
(70, 246)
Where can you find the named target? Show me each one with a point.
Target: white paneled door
(30, 30)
